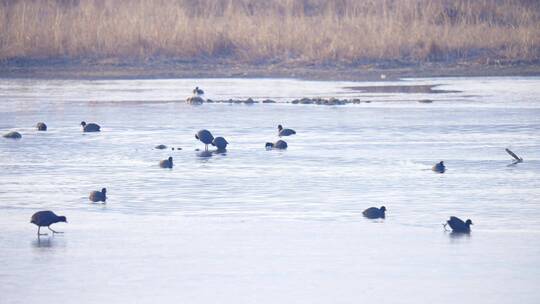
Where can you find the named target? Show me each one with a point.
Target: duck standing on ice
(198, 92)
(46, 219)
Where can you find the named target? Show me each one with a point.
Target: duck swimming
(98, 196)
(439, 167)
(91, 127)
(285, 132)
(374, 212)
(166, 163)
(280, 144)
(41, 126)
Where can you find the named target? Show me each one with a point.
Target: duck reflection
(43, 242)
(459, 235)
(220, 152)
(208, 154)
(204, 154)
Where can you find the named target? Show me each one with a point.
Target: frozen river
(257, 226)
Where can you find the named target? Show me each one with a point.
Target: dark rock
(13, 135)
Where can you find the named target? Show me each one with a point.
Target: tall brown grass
(311, 31)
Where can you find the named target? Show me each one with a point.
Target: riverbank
(151, 69)
(490, 32)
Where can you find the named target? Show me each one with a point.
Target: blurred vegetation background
(259, 31)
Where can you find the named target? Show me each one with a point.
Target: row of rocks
(40, 126)
(330, 102)
(247, 101)
(319, 101)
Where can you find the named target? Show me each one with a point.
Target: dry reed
(310, 31)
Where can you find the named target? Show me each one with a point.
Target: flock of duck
(47, 218)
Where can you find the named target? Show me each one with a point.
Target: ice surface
(257, 226)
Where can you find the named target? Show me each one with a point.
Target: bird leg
(205, 147)
(53, 230)
(444, 226)
(38, 233)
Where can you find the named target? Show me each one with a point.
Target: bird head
(83, 123)
(269, 145)
(62, 219)
(104, 190)
(383, 208)
(280, 127)
(469, 222)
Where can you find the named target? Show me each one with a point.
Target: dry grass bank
(308, 31)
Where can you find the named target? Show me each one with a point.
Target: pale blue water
(257, 226)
